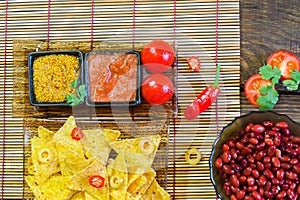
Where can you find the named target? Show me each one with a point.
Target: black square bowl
(94, 63)
(32, 57)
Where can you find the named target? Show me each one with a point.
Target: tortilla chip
(45, 133)
(156, 192)
(89, 197)
(117, 174)
(139, 182)
(78, 196)
(80, 180)
(70, 152)
(133, 153)
(55, 188)
(96, 143)
(43, 170)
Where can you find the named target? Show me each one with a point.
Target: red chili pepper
(194, 63)
(77, 133)
(97, 181)
(204, 99)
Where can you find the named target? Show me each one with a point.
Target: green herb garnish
(268, 72)
(269, 95)
(78, 97)
(293, 84)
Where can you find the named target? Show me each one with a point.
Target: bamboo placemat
(206, 28)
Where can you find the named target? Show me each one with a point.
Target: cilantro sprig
(76, 98)
(269, 95)
(293, 84)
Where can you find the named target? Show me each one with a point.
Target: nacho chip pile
(61, 167)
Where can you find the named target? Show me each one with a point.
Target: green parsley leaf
(75, 83)
(78, 97)
(295, 75)
(269, 97)
(268, 72)
(290, 84)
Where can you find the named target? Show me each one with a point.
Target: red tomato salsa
(112, 77)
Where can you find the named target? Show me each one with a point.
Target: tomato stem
(216, 83)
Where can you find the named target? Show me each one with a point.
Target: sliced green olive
(116, 182)
(146, 146)
(44, 155)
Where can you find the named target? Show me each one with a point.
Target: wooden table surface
(267, 26)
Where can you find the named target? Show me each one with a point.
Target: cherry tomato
(286, 61)
(157, 89)
(96, 181)
(252, 86)
(157, 56)
(77, 133)
(194, 63)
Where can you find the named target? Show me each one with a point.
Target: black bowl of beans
(257, 157)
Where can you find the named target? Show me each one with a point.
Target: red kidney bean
(268, 141)
(285, 158)
(240, 145)
(285, 166)
(296, 168)
(267, 159)
(252, 188)
(251, 159)
(219, 162)
(260, 146)
(294, 161)
(262, 180)
(298, 189)
(291, 175)
(240, 194)
(253, 141)
(290, 193)
(234, 189)
(255, 173)
(271, 150)
(244, 163)
(281, 125)
(275, 181)
(278, 153)
(286, 132)
(231, 143)
(226, 156)
(268, 174)
(246, 150)
(268, 186)
(248, 197)
(226, 189)
(234, 181)
(269, 194)
(273, 133)
(281, 194)
(280, 174)
(275, 162)
(256, 195)
(232, 197)
(247, 171)
(296, 139)
(260, 166)
(277, 140)
(251, 181)
(248, 127)
(258, 128)
(268, 124)
(259, 155)
(225, 147)
(274, 189)
(242, 179)
(228, 170)
(276, 129)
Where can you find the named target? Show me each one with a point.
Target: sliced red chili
(96, 181)
(77, 133)
(194, 63)
(204, 99)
